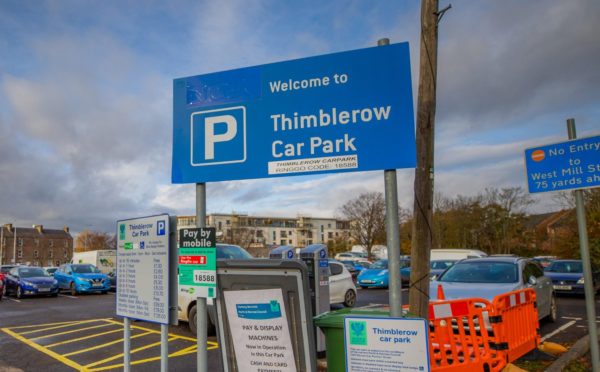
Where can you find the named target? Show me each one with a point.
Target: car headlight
(30, 284)
(84, 280)
(580, 281)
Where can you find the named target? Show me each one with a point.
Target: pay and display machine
(315, 257)
(285, 252)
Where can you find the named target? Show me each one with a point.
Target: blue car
(30, 281)
(377, 275)
(567, 276)
(82, 278)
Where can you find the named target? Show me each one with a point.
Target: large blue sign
(567, 165)
(342, 112)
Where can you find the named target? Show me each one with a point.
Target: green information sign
(198, 261)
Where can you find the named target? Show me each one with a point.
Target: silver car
(491, 276)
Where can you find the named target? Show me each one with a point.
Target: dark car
(567, 276)
(112, 276)
(4, 269)
(30, 281)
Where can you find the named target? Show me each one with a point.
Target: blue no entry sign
(342, 112)
(574, 164)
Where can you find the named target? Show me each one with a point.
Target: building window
(19, 253)
(51, 244)
(66, 243)
(227, 222)
(36, 253)
(51, 253)
(65, 255)
(274, 235)
(20, 242)
(322, 228)
(282, 241)
(330, 235)
(329, 226)
(220, 224)
(289, 242)
(290, 233)
(259, 233)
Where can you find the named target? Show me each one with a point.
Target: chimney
(39, 228)
(66, 229)
(8, 226)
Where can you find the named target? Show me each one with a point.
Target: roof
(509, 259)
(29, 232)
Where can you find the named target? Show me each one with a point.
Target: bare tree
(367, 216)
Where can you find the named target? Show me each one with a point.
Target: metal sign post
(588, 284)
(393, 234)
(202, 309)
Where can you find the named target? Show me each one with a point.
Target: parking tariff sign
(143, 259)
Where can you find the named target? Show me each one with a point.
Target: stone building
(35, 246)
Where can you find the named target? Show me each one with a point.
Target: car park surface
(75, 313)
(489, 277)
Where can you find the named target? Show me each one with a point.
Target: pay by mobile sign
(198, 261)
(573, 164)
(342, 112)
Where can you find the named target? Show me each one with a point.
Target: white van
(456, 254)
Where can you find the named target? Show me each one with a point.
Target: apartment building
(35, 246)
(263, 231)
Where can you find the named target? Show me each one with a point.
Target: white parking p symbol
(218, 136)
(211, 138)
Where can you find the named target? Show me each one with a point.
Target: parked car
(112, 276)
(489, 277)
(187, 301)
(51, 270)
(341, 286)
(2, 288)
(4, 269)
(81, 278)
(353, 268)
(29, 281)
(436, 267)
(567, 276)
(351, 256)
(544, 261)
(377, 275)
(455, 254)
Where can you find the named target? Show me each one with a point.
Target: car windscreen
(382, 264)
(32, 272)
(441, 265)
(5, 269)
(481, 272)
(52, 270)
(232, 252)
(84, 269)
(565, 267)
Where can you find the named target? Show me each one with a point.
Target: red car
(4, 269)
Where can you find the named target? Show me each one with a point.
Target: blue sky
(86, 97)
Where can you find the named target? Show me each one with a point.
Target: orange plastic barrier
(515, 325)
(457, 339)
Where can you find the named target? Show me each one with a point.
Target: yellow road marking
(48, 324)
(117, 356)
(84, 338)
(186, 351)
(73, 331)
(60, 326)
(104, 345)
(44, 350)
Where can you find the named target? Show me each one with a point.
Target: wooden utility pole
(423, 204)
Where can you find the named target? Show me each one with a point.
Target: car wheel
(19, 292)
(553, 316)
(350, 298)
(72, 289)
(104, 292)
(193, 322)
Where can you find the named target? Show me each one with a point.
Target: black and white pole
(588, 284)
